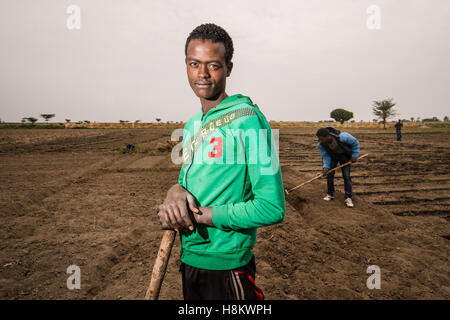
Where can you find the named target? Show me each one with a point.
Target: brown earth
(69, 197)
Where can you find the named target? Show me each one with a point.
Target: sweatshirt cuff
(219, 215)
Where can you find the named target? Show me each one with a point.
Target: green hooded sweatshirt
(230, 163)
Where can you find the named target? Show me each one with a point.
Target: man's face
(207, 69)
(326, 139)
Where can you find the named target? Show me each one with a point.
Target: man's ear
(229, 68)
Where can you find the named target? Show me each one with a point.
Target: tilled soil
(70, 198)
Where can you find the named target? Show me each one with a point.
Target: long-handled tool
(321, 175)
(160, 267)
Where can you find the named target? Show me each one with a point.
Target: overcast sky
(296, 59)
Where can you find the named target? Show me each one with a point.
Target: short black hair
(211, 31)
(323, 132)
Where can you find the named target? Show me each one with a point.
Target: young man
(398, 128)
(229, 185)
(337, 147)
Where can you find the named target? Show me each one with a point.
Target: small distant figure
(130, 147)
(398, 128)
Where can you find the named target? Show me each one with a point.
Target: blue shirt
(345, 138)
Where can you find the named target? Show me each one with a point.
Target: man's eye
(193, 64)
(214, 66)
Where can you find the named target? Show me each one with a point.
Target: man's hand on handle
(174, 213)
(180, 211)
(324, 171)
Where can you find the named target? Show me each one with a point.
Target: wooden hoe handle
(160, 267)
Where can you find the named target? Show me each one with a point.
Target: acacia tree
(47, 116)
(31, 120)
(341, 115)
(384, 109)
(158, 120)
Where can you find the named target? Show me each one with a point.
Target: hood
(229, 102)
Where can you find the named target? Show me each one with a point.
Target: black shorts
(236, 284)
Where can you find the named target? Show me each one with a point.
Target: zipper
(187, 171)
(192, 161)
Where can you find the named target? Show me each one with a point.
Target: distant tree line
(382, 109)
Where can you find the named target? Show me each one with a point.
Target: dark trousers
(345, 174)
(236, 284)
(399, 135)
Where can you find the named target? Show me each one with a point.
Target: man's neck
(209, 104)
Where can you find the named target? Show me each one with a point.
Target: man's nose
(203, 71)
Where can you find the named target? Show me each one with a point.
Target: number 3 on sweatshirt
(217, 148)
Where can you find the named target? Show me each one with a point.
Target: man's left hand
(354, 160)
